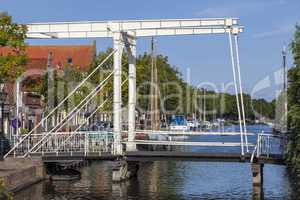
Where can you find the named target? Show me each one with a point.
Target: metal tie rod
(71, 93)
(86, 120)
(84, 105)
(88, 98)
(241, 89)
(236, 92)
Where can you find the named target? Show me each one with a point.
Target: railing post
(28, 140)
(88, 143)
(55, 139)
(268, 146)
(106, 141)
(14, 145)
(258, 145)
(42, 151)
(85, 144)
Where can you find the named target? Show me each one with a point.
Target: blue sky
(269, 25)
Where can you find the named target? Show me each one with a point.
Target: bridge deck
(187, 143)
(74, 156)
(191, 133)
(159, 156)
(196, 156)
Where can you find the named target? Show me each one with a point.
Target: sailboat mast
(214, 109)
(284, 68)
(283, 128)
(152, 86)
(204, 106)
(154, 113)
(200, 108)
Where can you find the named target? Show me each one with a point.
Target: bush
(4, 195)
(24, 131)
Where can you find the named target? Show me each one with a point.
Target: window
(70, 61)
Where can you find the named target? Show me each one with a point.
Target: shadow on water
(169, 180)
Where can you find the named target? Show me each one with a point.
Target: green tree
(12, 36)
(294, 105)
(65, 80)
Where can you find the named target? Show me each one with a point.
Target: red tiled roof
(81, 55)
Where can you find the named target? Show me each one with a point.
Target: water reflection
(33, 192)
(167, 180)
(173, 180)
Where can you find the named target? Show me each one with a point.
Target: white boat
(192, 125)
(178, 123)
(270, 124)
(206, 125)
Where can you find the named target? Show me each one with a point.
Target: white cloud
(238, 9)
(277, 31)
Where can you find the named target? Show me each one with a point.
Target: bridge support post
(131, 48)
(117, 97)
(124, 170)
(257, 179)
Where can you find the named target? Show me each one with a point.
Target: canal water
(170, 180)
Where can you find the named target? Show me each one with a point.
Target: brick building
(31, 104)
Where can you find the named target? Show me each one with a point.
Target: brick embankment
(17, 174)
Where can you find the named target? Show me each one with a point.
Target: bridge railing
(269, 145)
(60, 142)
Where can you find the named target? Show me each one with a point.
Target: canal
(170, 180)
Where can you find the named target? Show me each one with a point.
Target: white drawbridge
(124, 34)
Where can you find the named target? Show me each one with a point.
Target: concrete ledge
(18, 174)
(26, 185)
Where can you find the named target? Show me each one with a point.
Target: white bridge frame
(124, 34)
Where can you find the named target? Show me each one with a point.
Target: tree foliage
(12, 36)
(294, 105)
(175, 95)
(64, 81)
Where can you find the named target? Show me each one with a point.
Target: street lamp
(3, 96)
(3, 140)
